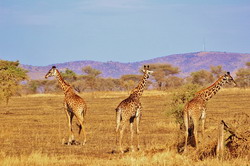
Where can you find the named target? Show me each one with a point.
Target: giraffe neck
(137, 92)
(209, 92)
(65, 86)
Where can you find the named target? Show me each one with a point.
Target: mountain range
(187, 63)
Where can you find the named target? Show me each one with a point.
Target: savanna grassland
(33, 128)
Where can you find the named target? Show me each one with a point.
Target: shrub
(179, 99)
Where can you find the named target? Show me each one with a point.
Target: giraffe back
(75, 102)
(129, 107)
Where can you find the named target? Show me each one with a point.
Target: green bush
(179, 99)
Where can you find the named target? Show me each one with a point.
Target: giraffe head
(146, 71)
(229, 79)
(51, 72)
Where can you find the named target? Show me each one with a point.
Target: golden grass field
(33, 127)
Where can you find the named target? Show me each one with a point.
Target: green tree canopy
(69, 74)
(217, 71)
(91, 76)
(132, 77)
(10, 77)
(243, 76)
(89, 71)
(201, 77)
(129, 81)
(162, 71)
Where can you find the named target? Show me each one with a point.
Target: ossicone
(146, 66)
(53, 67)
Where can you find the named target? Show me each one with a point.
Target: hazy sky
(43, 32)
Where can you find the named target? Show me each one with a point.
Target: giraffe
(74, 105)
(196, 108)
(130, 109)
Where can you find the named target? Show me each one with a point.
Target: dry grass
(33, 127)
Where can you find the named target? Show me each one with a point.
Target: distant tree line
(14, 80)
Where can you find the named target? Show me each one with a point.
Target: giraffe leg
(71, 134)
(195, 120)
(84, 133)
(80, 128)
(131, 138)
(121, 135)
(203, 118)
(137, 130)
(80, 119)
(202, 127)
(118, 122)
(116, 131)
(186, 123)
(70, 116)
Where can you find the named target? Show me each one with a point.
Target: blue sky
(43, 32)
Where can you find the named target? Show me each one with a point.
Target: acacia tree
(162, 72)
(173, 81)
(129, 81)
(91, 76)
(243, 76)
(217, 71)
(108, 84)
(32, 86)
(69, 74)
(201, 77)
(248, 65)
(10, 77)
